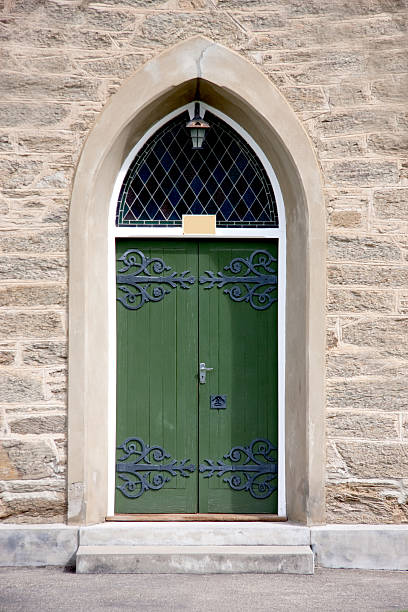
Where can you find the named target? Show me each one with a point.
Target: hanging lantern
(197, 127)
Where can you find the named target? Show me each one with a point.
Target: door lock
(203, 373)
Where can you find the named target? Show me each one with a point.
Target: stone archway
(237, 88)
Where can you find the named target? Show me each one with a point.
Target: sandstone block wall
(343, 66)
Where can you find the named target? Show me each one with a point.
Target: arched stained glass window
(168, 179)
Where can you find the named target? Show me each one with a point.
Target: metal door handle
(203, 372)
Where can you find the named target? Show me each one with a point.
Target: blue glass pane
(196, 185)
(249, 196)
(174, 197)
(196, 208)
(166, 161)
(226, 209)
(144, 172)
(219, 173)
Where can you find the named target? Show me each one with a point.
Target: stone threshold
(334, 546)
(195, 560)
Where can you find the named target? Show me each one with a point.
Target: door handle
(203, 372)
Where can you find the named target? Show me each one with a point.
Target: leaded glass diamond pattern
(168, 179)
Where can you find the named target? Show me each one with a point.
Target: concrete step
(194, 560)
(195, 534)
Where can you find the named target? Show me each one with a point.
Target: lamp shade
(197, 127)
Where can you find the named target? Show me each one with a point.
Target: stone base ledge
(377, 547)
(335, 546)
(38, 545)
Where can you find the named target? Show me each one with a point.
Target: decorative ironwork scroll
(147, 475)
(148, 281)
(259, 470)
(253, 280)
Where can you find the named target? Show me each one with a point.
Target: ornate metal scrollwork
(144, 474)
(254, 280)
(147, 283)
(259, 469)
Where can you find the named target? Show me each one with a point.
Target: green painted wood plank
(241, 344)
(157, 389)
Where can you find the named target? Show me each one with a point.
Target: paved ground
(55, 589)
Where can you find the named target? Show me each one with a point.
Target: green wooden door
(184, 445)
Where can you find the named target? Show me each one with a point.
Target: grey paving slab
(328, 590)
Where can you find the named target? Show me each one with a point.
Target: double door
(197, 392)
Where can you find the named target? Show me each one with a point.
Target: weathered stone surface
(333, 66)
(41, 507)
(346, 218)
(179, 26)
(393, 144)
(305, 98)
(362, 173)
(38, 424)
(356, 300)
(320, 7)
(373, 425)
(44, 353)
(346, 93)
(389, 394)
(95, 19)
(58, 179)
(333, 148)
(355, 121)
(364, 362)
(368, 275)
(403, 302)
(404, 426)
(331, 339)
(45, 143)
(402, 121)
(56, 384)
(18, 173)
(28, 458)
(40, 61)
(32, 114)
(14, 86)
(53, 38)
(6, 143)
(371, 503)
(33, 295)
(388, 62)
(391, 203)
(7, 356)
(385, 334)
(119, 66)
(374, 459)
(46, 241)
(33, 268)
(391, 89)
(353, 248)
(20, 387)
(261, 22)
(30, 325)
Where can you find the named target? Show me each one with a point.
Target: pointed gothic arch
(238, 89)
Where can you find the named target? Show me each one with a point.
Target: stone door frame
(238, 89)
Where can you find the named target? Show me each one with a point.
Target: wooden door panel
(157, 381)
(240, 343)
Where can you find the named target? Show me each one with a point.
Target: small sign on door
(218, 402)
